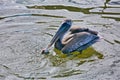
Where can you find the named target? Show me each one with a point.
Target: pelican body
(78, 38)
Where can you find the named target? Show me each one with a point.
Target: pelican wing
(79, 40)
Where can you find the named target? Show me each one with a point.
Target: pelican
(78, 38)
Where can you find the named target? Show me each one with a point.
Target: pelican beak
(61, 31)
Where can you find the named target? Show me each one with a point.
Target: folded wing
(79, 42)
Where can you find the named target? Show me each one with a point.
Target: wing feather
(79, 39)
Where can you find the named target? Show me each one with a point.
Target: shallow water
(27, 26)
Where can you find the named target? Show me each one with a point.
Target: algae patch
(56, 7)
(89, 52)
(88, 55)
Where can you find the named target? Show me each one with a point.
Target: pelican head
(66, 25)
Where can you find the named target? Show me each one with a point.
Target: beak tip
(45, 51)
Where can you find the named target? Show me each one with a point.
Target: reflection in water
(86, 54)
(83, 10)
(48, 15)
(68, 73)
(76, 59)
(105, 4)
(15, 16)
(69, 8)
(117, 2)
(117, 41)
(108, 11)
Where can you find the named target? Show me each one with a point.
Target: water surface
(27, 26)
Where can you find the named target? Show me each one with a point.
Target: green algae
(61, 58)
(89, 52)
(57, 7)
